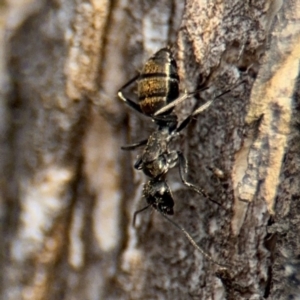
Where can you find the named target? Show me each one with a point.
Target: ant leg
(183, 170)
(173, 103)
(192, 241)
(138, 165)
(134, 146)
(178, 101)
(129, 102)
(137, 212)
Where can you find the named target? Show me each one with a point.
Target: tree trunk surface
(68, 192)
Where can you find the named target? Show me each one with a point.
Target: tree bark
(68, 193)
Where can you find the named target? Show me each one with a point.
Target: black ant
(158, 94)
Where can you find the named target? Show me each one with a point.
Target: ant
(158, 94)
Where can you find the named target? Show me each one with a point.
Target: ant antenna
(192, 241)
(137, 212)
(229, 90)
(204, 107)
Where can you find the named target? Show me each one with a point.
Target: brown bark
(68, 192)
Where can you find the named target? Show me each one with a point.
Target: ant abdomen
(158, 83)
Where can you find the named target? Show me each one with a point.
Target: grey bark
(68, 192)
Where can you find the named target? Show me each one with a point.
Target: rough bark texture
(68, 192)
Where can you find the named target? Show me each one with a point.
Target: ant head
(158, 194)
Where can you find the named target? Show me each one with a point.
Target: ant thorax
(156, 159)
